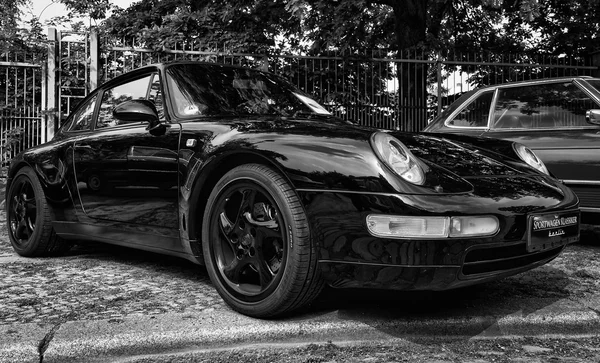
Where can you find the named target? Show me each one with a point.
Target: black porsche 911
(238, 170)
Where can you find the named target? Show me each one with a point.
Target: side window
(134, 90)
(475, 114)
(542, 106)
(82, 118)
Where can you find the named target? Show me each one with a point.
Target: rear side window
(542, 106)
(475, 114)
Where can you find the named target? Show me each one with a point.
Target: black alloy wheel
(29, 218)
(257, 244)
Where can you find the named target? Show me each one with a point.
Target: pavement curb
(107, 340)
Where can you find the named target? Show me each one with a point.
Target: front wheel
(256, 244)
(29, 218)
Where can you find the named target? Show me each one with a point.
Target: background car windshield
(595, 83)
(199, 90)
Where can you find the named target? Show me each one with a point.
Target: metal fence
(377, 88)
(21, 92)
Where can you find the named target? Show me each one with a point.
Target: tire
(29, 218)
(256, 244)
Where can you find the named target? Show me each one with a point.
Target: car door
(549, 117)
(127, 176)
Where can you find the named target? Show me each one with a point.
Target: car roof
(175, 62)
(538, 81)
(161, 66)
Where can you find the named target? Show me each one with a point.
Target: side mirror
(138, 111)
(593, 117)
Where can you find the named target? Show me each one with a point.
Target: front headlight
(393, 153)
(528, 156)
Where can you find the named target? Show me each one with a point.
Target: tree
(95, 9)
(415, 29)
(241, 25)
(10, 15)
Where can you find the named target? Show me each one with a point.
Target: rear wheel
(256, 243)
(29, 218)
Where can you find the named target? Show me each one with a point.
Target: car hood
(334, 155)
(462, 159)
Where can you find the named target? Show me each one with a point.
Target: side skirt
(165, 245)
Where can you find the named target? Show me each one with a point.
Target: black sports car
(238, 170)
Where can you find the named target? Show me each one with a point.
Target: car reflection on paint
(558, 118)
(141, 166)
(238, 170)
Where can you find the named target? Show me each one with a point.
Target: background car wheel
(29, 218)
(94, 182)
(256, 244)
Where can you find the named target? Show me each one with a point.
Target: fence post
(94, 60)
(42, 114)
(438, 64)
(50, 106)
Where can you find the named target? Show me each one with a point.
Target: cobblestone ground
(97, 281)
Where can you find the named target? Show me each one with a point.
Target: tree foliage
(95, 9)
(241, 25)
(9, 16)
(316, 27)
(422, 28)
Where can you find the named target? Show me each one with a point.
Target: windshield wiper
(314, 115)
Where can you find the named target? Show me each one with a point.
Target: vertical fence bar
(438, 65)
(94, 59)
(51, 107)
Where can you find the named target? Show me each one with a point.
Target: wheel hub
(20, 209)
(247, 240)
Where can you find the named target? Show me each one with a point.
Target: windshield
(209, 90)
(594, 83)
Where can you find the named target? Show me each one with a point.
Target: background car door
(550, 119)
(124, 173)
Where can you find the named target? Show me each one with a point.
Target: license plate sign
(551, 230)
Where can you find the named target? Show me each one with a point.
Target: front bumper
(351, 257)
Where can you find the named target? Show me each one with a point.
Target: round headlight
(528, 156)
(393, 153)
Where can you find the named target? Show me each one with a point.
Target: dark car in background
(559, 119)
(240, 171)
